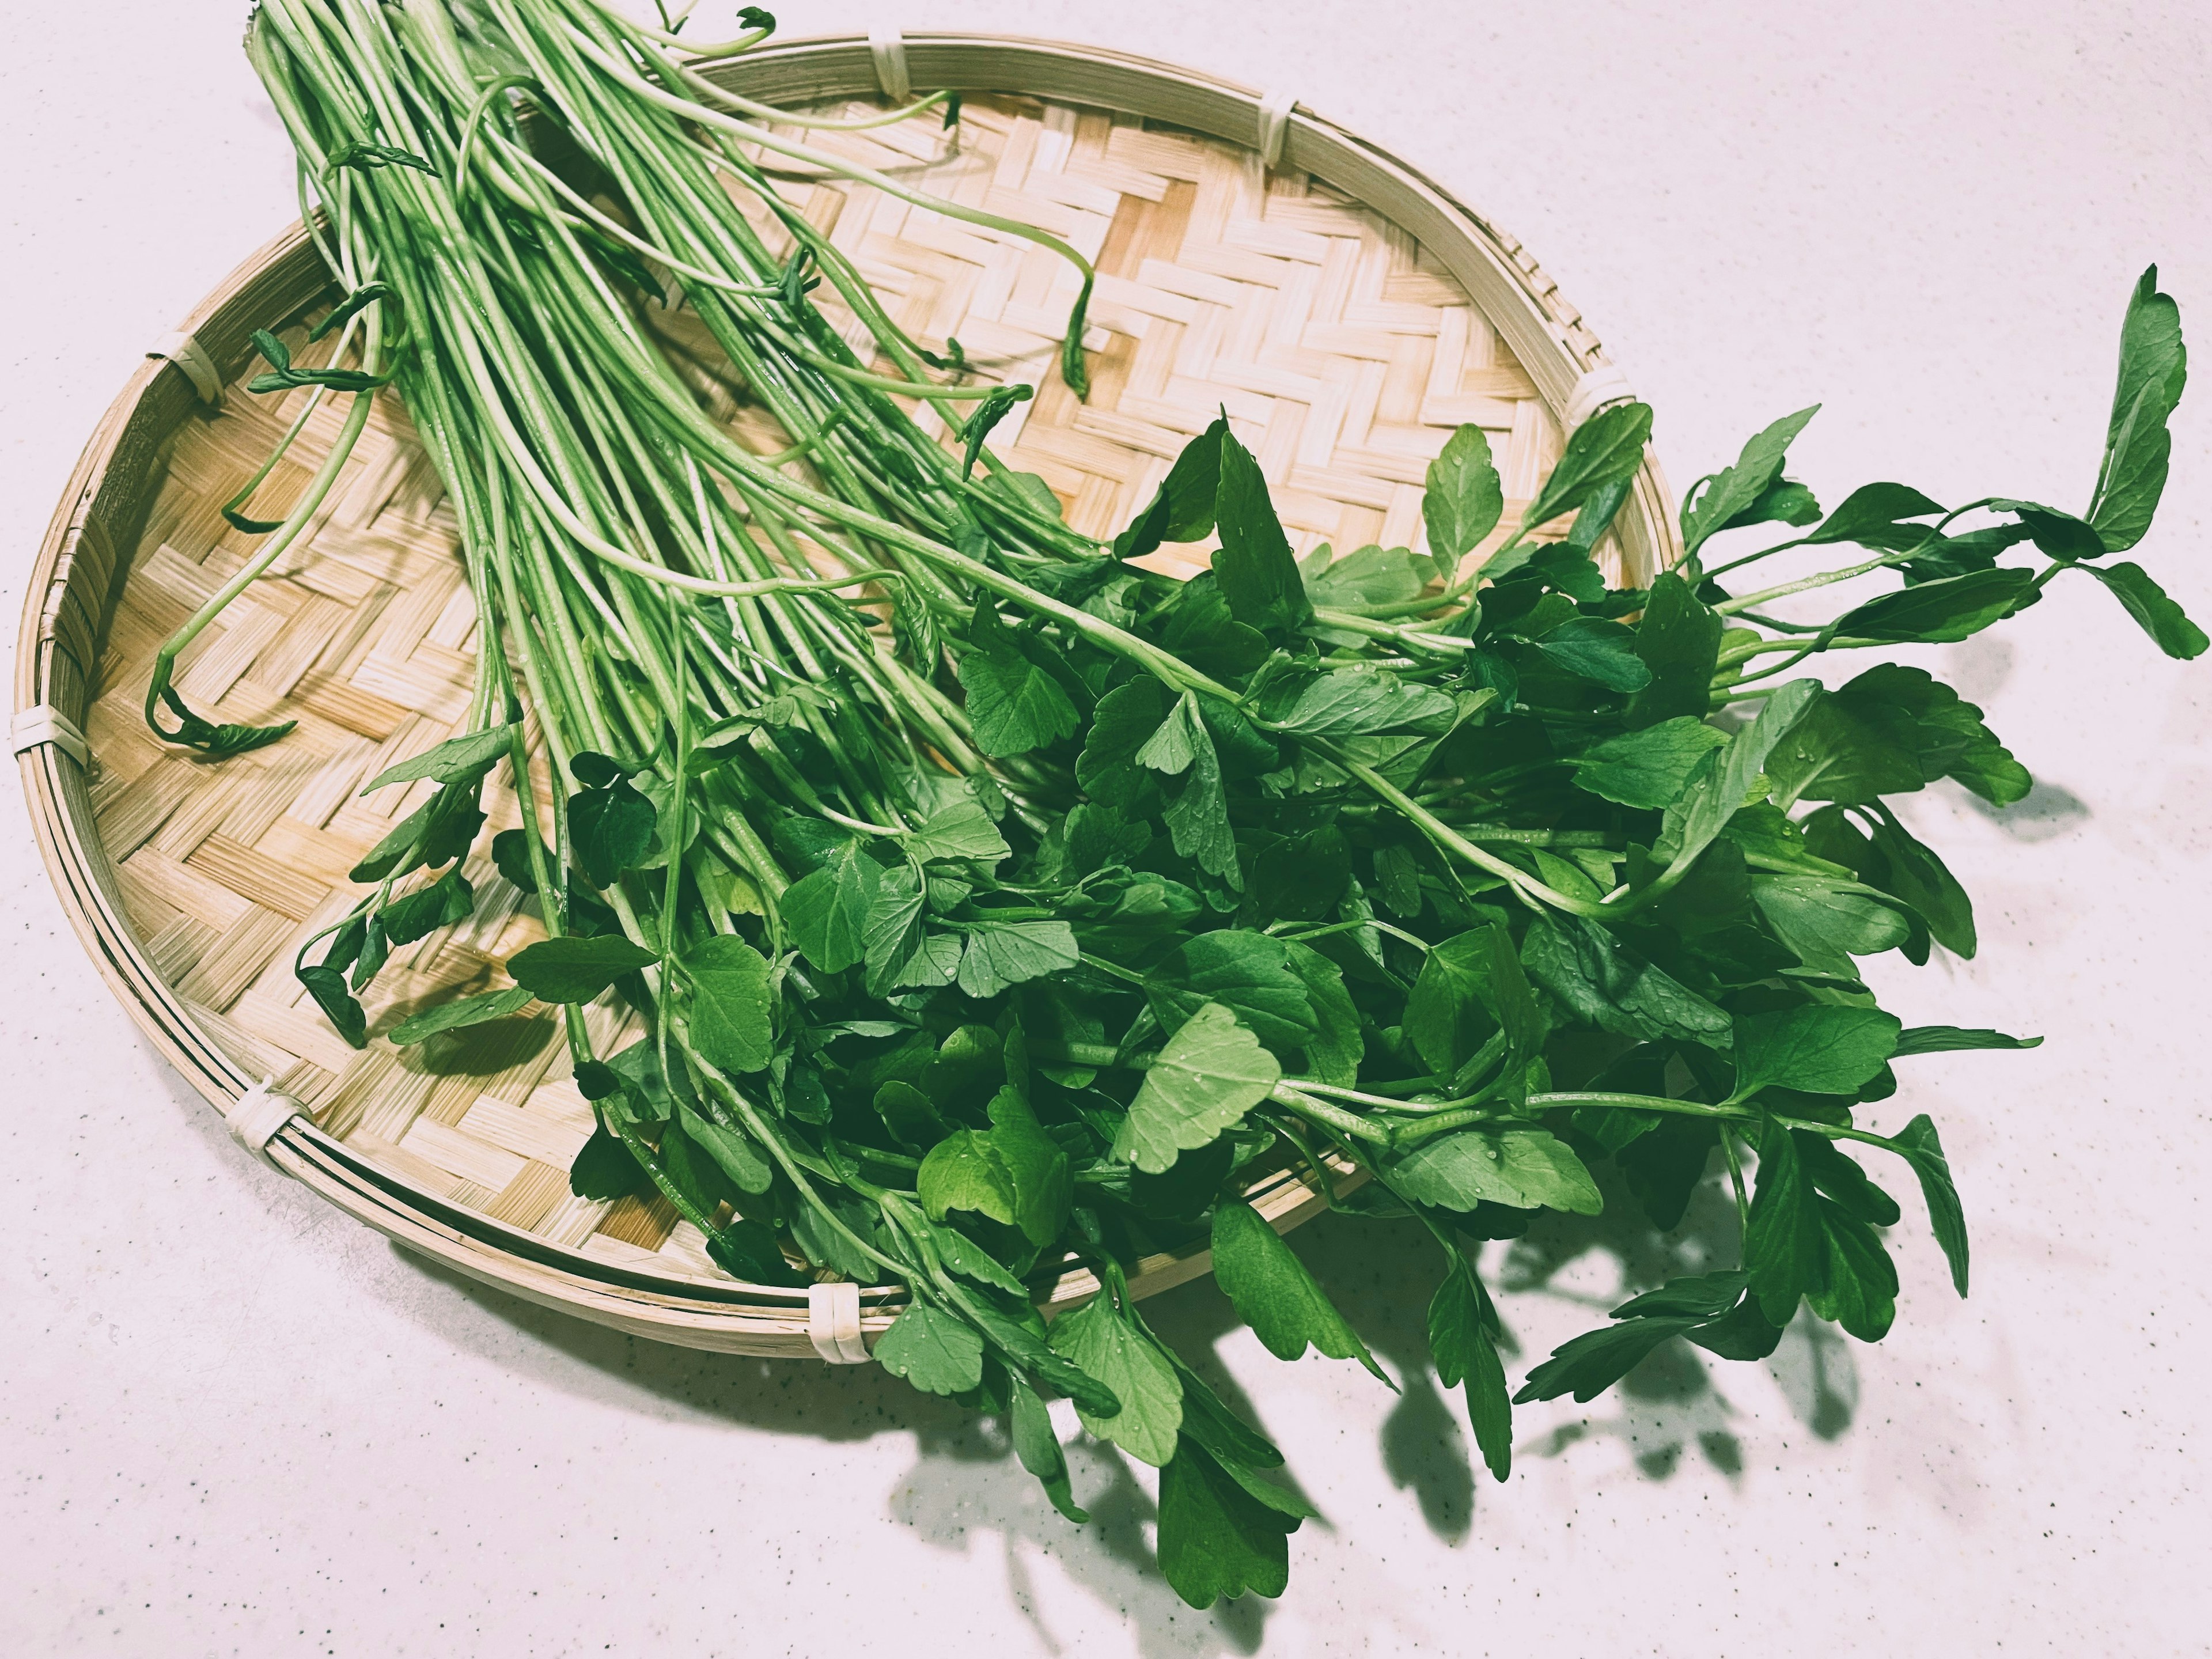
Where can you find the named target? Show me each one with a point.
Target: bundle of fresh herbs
(1018, 909)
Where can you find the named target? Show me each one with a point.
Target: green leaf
(1258, 576)
(1369, 575)
(1903, 866)
(1722, 786)
(1723, 501)
(1198, 628)
(1014, 704)
(988, 413)
(1859, 1281)
(1745, 1333)
(1923, 1150)
(694, 1175)
(1783, 501)
(444, 902)
(735, 1152)
(576, 969)
(1707, 1296)
(1461, 1343)
(963, 1171)
(447, 817)
(2157, 614)
(824, 1244)
(1604, 982)
(1000, 954)
(962, 830)
(360, 153)
(1891, 731)
(1207, 1076)
(828, 912)
(1464, 498)
(1030, 1427)
(1597, 649)
(1678, 641)
(1216, 1539)
(1524, 1168)
(604, 1169)
(1014, 1173)
(1233, 1443)
(1828, 922)
(1703, 1308)
(1250, 974)
(1946, 1039)
(730, 1003)
(1588, 1365)
(1106, 1346)
(328, 987)
(891, 938)
(1354, 702)
(2055, 532)
(1126, 719)
(1198, 817)
(239, 522)
(1274, 1294)
(1448, 1017)
(1938, 612)
(1650, 767)
(2153, 368)
(1783, 1248)
(610, 830)
(466, 1010)
(1839, 1177)
(1604, 450)
(1873, 516)
(457, 760)
(354, 303)
(1183, 509)
(1818, 1050)
(1337, 1047)
(747, 1251)
(937, 1351)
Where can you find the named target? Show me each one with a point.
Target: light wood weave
(1344, 353)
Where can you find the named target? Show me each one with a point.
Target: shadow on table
(966, 1487)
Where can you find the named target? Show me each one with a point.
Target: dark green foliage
(1027, 928)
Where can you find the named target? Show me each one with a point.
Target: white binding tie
(256, 1116)
(1275, 126)
(189, 355)
(888, 47)
(45, 723)
(833, 1323)
(1606, 384)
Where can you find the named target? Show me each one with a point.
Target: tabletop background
(233, 1421)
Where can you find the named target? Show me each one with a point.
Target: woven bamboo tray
(1347, 313)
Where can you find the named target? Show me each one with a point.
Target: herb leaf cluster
(1029, 912)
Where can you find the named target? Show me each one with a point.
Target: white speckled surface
(232, 1422)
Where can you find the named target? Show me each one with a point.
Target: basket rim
(1545, 333)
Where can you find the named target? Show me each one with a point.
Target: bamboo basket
(1346, 312)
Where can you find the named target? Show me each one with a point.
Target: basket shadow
(965, 1487)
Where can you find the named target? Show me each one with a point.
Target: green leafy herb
(1211, 1072)
(1029, 927)
(576, 969)
(730, 1004)
(1464, 500)
(469, 1010)
(1275, 1295)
